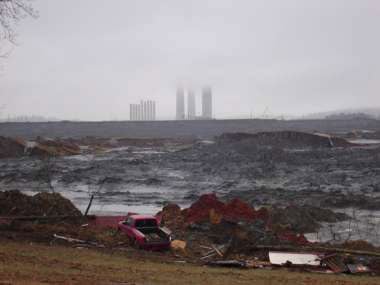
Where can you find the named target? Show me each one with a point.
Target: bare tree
(11, 12)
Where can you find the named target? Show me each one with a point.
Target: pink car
(144, 232)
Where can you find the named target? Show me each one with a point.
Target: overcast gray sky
(88, 59)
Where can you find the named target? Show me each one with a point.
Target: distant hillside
(346, 114)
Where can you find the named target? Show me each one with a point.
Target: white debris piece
(280, 258)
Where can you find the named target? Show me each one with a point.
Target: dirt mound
(208, 207)
(284, 139)
(15, 203)
(235, 221)
(16, 147)
(172, 217)
(48, 147)
(11, 147)
(302, 219)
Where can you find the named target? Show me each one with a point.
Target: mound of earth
(16, 147)
(11, 147)
(209, 207)
(283, 139)
(235, 223)
(303, 219)
(15, 203)
(55, 147)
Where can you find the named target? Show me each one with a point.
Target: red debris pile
(209, 208)
(208, 204)
(210, 214)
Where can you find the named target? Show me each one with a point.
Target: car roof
(143, 217)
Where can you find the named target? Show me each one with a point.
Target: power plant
(145, 111)
(191, 106)
(185, 106)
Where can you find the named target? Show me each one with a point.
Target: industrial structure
(145, 111)
(206, 103)
(180, 104)
(191, 112)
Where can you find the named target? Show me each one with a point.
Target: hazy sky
(88, 59)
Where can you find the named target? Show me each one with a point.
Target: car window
(146, 223)
(129, 221)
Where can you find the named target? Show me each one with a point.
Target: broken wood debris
(228, 263)
(335, 263)
(77, 241)
(215, 250)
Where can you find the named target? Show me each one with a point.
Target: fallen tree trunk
(316, 248)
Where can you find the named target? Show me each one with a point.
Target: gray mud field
(143, 179)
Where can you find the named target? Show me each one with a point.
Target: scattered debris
(76, 241)
(358, 268)
(178, 245)
(335, 263)
(229, 263)
(296, 258)
(215, 250)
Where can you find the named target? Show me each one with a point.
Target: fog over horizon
(89, 60)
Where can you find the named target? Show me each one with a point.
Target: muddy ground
(174, 129)
(274, 173)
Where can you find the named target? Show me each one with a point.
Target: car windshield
(146, 223)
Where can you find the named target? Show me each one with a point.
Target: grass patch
(22, 263)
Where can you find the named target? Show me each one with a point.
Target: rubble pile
(235, 221)
(208, 207)
(15, 203)
(284, 139)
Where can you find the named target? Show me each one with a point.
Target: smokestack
(180, 104)
(154, 110)
(150, 110)
(191, 105)
(207, 103)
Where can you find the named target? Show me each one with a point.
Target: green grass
(23, 263)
